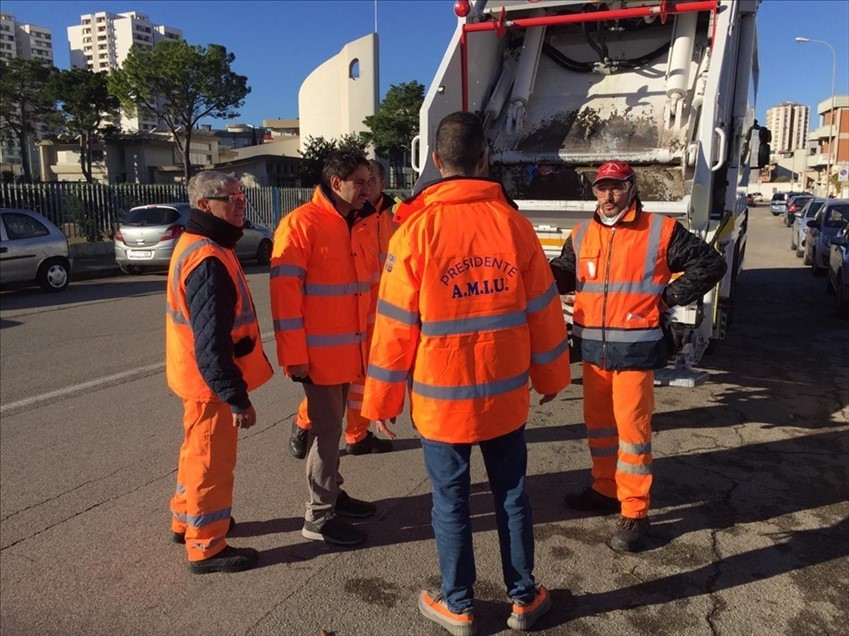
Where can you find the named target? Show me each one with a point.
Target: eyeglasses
(230, 198)
(618, 187)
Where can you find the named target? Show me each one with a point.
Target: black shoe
(369, 444)
(592, 500)
(230, 559)
(630, 534)
(180, 537)
(347, 506)
(298, 441)
(335, 531)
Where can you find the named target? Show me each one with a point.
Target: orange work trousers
(204, 497)
(618, 406)
(356, 427)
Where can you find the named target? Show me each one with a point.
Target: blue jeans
(506, 460)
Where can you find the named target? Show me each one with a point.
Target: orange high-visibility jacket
(621, 272)
(181, 369)
(385, 225)
(321, 279)
(468, 313)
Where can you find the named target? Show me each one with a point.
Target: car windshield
(154, 215)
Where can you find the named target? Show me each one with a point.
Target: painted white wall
(331, 102)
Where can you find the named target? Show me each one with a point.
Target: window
(23, 226)
(354, 69)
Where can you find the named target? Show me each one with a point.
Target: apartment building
(788, 123)
(27, 42)
(102, 41)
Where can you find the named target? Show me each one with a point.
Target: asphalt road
(749, 512)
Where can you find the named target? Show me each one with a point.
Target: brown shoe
(630, 534)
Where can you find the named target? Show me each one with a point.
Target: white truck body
(565, 85)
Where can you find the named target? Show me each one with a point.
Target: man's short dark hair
(460, 141)
(377, 169)
(342, 163)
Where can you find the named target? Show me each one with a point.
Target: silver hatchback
(147, 235)
(33, 251)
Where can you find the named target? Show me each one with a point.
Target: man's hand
(382, 427)
(297, 370)
(548, 397)
(245, 419)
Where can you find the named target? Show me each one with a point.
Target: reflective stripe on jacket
(321, 279)
(468, 314)
(181, 368)
(621, 272)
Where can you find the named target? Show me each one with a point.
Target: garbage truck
(563, 86)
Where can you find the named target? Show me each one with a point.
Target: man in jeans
(468, 313)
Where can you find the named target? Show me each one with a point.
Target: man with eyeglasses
(214, 358)
(619, 264)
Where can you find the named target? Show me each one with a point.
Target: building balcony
(823, 132)
(817, 161)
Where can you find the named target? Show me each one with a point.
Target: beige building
(102, 41)
(788, 123)
(341, 92)
(128, 158)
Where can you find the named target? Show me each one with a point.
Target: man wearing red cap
(619, 265)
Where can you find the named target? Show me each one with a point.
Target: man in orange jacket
(620, 264)
(213, 359)
(468, 314)
(358, 439)
(322, 268)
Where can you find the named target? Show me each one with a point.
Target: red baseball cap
(615, 171)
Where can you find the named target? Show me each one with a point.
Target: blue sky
(277, 44)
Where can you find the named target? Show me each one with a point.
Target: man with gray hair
(213, 359)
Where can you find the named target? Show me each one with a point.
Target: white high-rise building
(26, 41)
(102, 41)
(788, 123)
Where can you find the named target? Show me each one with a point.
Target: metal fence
(92, 211)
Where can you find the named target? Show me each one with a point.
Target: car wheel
(793, 240)
(816, 270)
(263, 252)
(806, 258)
(786, 220)
(800, 248)
(54, 275)
(842, 299)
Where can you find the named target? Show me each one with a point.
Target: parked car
(838, 270)
(757, 197)
(795, 205)
(750, 200)
(822, 228)
(33, 251)
(147, 235)
(799, 230)
(778, 204)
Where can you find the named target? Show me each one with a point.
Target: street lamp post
(831, 124)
